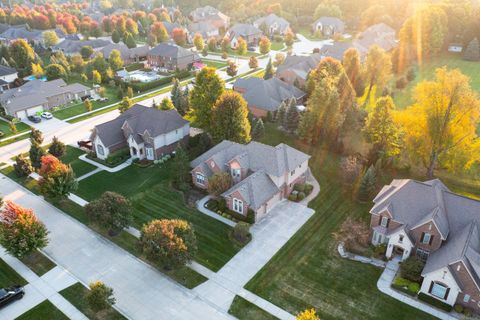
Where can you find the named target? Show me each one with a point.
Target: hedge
(220, 205)
(406, 286)
(434, 302)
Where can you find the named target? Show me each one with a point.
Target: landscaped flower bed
(406, 286)
(300, 191)
(220, 207)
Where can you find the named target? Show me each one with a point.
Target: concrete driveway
(141, 291)
(47, 125)
(305, 46)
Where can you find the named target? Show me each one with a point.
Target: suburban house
(328, 26)
(171, 57)
(129, 55)
(21, 32)
(37, 96)
(7, 76)
(295, 69)
(262, 175)
(265, 96)
(272, 24)
(248, 32)
(212, 15)
(205, 28)
(71, 47)
(148, 133)
(442, 228)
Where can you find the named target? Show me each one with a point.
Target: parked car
(35, 119)
(102, 99)
(87, 144)
(47, 115)
(89, 97)
(251, 48)
(11, 294)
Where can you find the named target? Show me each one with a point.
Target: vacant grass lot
(5, 128)
(426, 71)
(153, 198)
(44, 310)
(307, 272)
(79, 167)
(8, 276)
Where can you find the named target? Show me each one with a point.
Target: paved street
(141, 291)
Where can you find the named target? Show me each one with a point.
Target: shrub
(22, 166)
(118, 157)
(292, 197)
(458, 308)
(411, 269)
(308, 189)
(224, 55)
(111, 211)
(219, 183)
(300, 187)
(241, 232)
(57, 148)
(401, 83)
(300, 196)
(100, 297)
(434, 302)
(58, 179)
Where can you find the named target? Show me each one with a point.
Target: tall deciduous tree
(219, 183)
(166, 104)
(353, 68)
(111, 211)
(441, 126)
(381, 130)
(57, 178)
(230, 116)
(125, 104)
(115, 59)
(21, 233)
(207, 89)
(22, 54)
(55, 71)
(378, 69)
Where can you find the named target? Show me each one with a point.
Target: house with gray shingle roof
(272, 24)
(171, 57)
(426, 219)
(265, 96)
(248, 32)
(262, 175)
(297, 68)
(129, 55)
(71, 47)
(208, 21)
(148, 133)
(328, 26)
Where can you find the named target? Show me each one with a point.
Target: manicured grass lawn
(214, 63)
(277, 45)
(426, 71)
(5, 129)
(45, 310)
(76, 295)
(9, 277)
(307, 272)
(234, 53)
(245, 310)
(80, 167)
(38, 263)
(153, 198)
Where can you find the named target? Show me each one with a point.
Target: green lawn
(307, 272)
(154, 198)
(38, 263)
(426, 71)
(45, 310)
(9, 277)
(277, 45)
(76, 295)
(5, 129)
(80, 167)
(245, 310)
(214, 63)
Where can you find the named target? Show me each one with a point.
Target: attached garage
(21, 114)
(34, 110)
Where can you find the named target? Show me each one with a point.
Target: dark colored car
(34, 119)
(86, 97)
(11, 294)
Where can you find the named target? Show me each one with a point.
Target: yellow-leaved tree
(440, 128)
(309, 314)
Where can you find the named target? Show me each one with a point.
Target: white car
(47, 115)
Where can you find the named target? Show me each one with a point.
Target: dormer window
(384, 222)
(212, 164)
(236, 173)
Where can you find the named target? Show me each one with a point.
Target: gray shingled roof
(271, 19)
(140, 119)
(256, 189)
(5, 71)
(14, 33)
(125, 52)
(207, 13)
(338, 24)
(244, 30)
(300, 65)
(267, 94)
(166, 49)
(378, 34)
(74, 46)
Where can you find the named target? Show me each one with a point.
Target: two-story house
(428, 220)
(149, 133)
(262, 175)
(171, 57)
(272, 24)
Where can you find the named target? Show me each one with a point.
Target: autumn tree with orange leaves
(21, 233)
(171, 243)
(57, 178)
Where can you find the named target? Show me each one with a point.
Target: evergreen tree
(115, 36)
(129, 40)
(306, 127)
(176, 93)
(181, 167)
(281, 113)
(292, 117)
(36, 153)
(268, 70)
(88, 105)
(22, 166)
(258, 130)
(57, 148)
(367, 185)
(230, 116)
(472, 52)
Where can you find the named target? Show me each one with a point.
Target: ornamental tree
(241, 46)
(166, 104)
(115, 59)
(55, 71)
(219, 183)
(21, 233)
(111, 211)
(230, 116)
(179, 36)
(125, 104)
(57, 148)
(231, 68)
(264, 45)
(198, 41)
(88, 105)
(22, 166)
(170, 243)
(253, 62)
(100, 297)
(57, 178)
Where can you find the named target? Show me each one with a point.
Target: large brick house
(171, 57)
(428, 220)
(262, 175)
(147, 132)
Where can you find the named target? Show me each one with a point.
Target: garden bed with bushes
(220, 207)
(406, 286)
(114, 159)
(434, 302)
(300, 192)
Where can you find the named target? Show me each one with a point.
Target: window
(426, 238)
(200, 178)
(439, 290)
(400, 238)
(100, 150)
(236, 173)
(384, 222)
(466, 298)
(423, 254)
(292, 173)
(237, 205)
(149, 153)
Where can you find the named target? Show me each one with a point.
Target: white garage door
(34, 110)
(21, 114)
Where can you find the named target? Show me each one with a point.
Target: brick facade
(429, 227)
(468, 286)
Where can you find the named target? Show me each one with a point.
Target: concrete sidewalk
(40, 289)
(201, 207)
